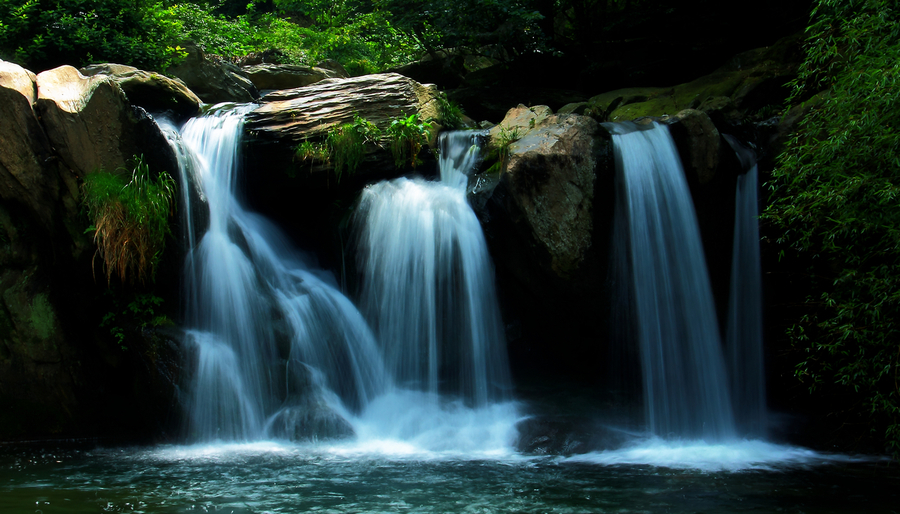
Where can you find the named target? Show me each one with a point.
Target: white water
(323, 363)
(278, 350)
(279, 353)
(744, 340)
(685, 384)
(427, 283)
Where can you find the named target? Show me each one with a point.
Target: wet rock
(307, 413)
(698, 142)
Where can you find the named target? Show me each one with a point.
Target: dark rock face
(214, 82)
(56, 378)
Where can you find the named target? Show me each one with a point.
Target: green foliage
(344, 146)
(836, 202)
(511, 24)
(129, 219)
(451, 114)
(138, 314)
(499, 152)
(407, 135)
(42, 34)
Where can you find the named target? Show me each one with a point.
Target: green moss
(42, 317)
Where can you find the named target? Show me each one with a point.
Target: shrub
(407, 135)
(129, 219)
(836, 204)
(344, 146)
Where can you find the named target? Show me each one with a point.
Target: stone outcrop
(747, 84)
(154, 92)
(213, 82)
(550, 174)
(30, 173)
(698, 141)
(287, 76)
(296, 114)
(56, 377)
(92, 126)
(548, 225)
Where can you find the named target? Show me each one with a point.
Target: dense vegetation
(836, 205)
(363, 35)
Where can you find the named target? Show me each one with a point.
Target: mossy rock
(748, 82)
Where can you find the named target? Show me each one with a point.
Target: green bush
(41, 34)
(836, 205)
(407, 135)
(130, 219)
(344, 146)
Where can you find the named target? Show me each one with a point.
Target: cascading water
(278, 350)
(427, 282)
(685, 384)
(744, 344)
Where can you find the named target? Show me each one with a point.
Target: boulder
(91, 125)
(295, 114)
(548, 224)
(286, 76)
(550, 173)
(214, 82)
(698, 142)
(30, 174)
(154, 92)
(749, 82)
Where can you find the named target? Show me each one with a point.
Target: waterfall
(278, 350)
(427, 284)
(744, 341)
(685, 384)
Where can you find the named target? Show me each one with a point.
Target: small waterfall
(427, 282)
(744, 341)
(279, 351)
(685, 384)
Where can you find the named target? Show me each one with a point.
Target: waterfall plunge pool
(265, 476)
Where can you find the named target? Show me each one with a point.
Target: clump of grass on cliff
(343, 147)
(129, 212)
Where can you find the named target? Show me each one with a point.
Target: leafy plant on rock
(343, 147)
(129, 216)
(407, 135)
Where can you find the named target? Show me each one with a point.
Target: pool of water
(273, 477)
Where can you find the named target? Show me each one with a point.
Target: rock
(748, 82)
(698, 142)
(550, 173)
(574, 108)
(335, 67)
(37, 367)
(213, 82)
(90, 123)
(295, 114)
(154, 92)
(286, 76)
(307, 413)
(85, 118)
(30, 174)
